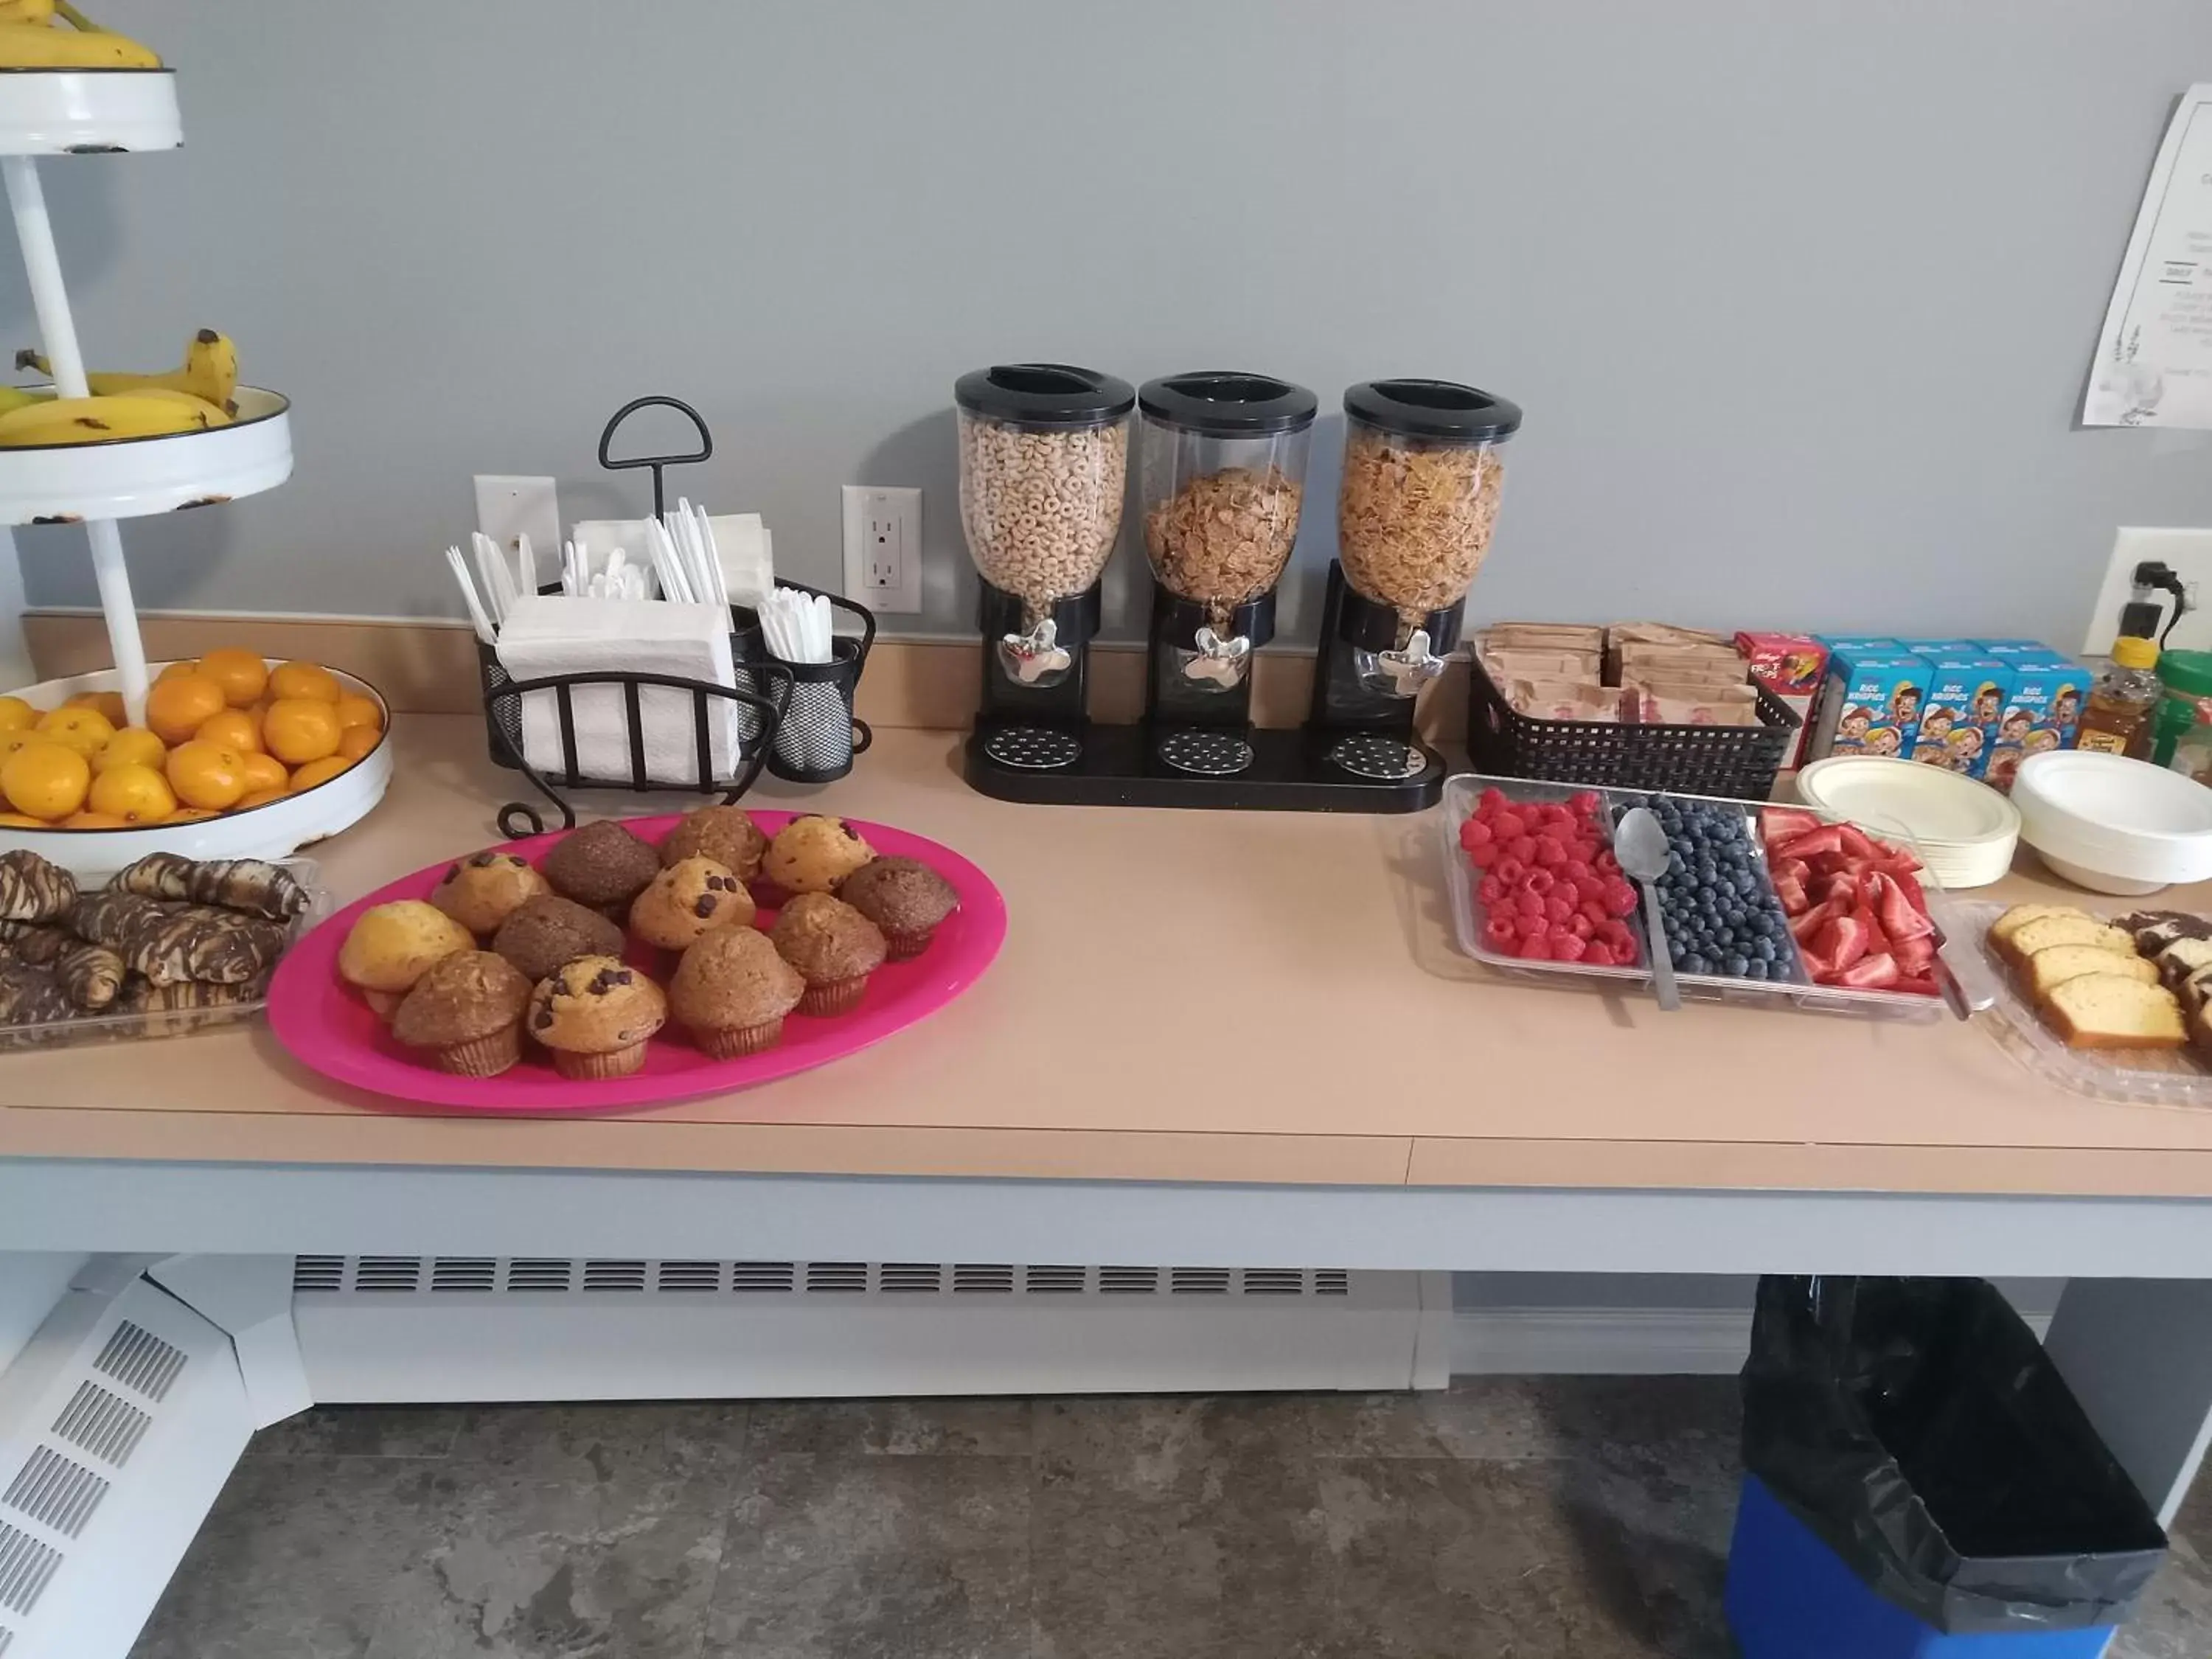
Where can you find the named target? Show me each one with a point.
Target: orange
(94, 821)
(188, 815)
(318, 771)
(354, 709)
(138, 795)
(205, 774)
(178, 707)
(241, 674)
(297, 729)
(46, 779)
(16, 715)
(304, 679)
(170, 670)
(258, 798)
(11, 741)
(85, 730)
(355, 741)
(234, 728)
(264, 772)
(134, 746)
(22, 821)
(110, 703)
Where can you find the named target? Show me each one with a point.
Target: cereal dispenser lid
(1050, 395)
(1225, 402)
(1433, 408)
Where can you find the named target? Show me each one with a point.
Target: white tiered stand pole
(35, 231)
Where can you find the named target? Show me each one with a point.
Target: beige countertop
(1183, 996)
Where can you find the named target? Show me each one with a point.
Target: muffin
(467, 1012)
(812, 854)
(595, 1015)
(833, 947)
(904, 897)
(732, 991)
(602, 864)
(547, 932)
(392, 945)
(485, 889)
(687, 901)
(726, 834)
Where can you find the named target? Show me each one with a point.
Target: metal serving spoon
(1640, 843)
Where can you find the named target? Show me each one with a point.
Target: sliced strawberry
(1877, 972)
(1915, 955)
(1796, 869)
(1855, 845)
(1780, 823)
(1791, 892)
(1803, 927)
(1841, 884)
(1841, 941)
(1828, 838)
(1817, 965)
(1900, 917)
(1919, 984)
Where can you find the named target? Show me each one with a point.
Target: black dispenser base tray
(1294, 771)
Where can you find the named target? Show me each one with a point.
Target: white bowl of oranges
(240, 757)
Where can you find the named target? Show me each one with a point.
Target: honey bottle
(2117, 718)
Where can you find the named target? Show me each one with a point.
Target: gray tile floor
(1509, 1518)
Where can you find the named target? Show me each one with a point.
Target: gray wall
(1798, 297)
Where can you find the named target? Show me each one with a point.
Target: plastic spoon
(1640, 843)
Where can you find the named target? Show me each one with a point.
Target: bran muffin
(687, 901)
(595, 1015)
(392, 945)
(904, 897)
(485, 889)
(833, 947)
(547, 932)
(467, 1012)
(602, 864)
(726, 834)
(731, 991)
(812, 854)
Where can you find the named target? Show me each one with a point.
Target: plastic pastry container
(1460, 797)
(1422, 482)
(2112, 824)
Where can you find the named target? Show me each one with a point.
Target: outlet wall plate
(511, 506)
(883, 548)
(2190, 553)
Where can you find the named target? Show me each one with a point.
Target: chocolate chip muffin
(392, 945)
(812, 854)
(467, 1013)
(726, 834)
(904, 897)
(485, 889)
(687, 901)
(731, 991)
(595, 1016)
(833, 947)
(548, 931)
(602, 864)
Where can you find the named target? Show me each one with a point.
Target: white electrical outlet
(883, 548)
(510, 508)
(2189, 554)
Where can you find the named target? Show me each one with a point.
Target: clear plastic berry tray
(1794, 989)
(2168, 1077)
(166, 1023)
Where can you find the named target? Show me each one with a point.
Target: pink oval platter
(329, 1030)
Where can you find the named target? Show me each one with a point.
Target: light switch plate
(883, 548)
(2189, 552)
(510, 506)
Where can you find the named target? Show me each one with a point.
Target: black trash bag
(1919, 1429)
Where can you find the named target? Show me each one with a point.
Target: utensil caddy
(1731, 762)
(1462, 792)
(794, 719)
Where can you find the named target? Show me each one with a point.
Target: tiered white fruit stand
(91, 112)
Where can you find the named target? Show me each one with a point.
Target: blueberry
(1762, 949)
(1756, 968)
(1737, 966)
(1694, 963)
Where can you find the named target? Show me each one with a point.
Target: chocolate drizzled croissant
(251, 886)
(168, 943)
(32, 890)
(90, 974)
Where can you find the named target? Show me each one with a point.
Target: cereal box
(1871, 702)
(2042, 709)
(1791, 666)
(1961, 716)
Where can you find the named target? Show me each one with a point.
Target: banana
(27, 11)
(215, 416)
(22, 396)
(210, 372)
(97, 420)
(41, 46)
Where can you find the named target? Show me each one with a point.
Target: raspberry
(1596, 955)
(1605, 864)
(1507, 825)
(1492, 802)
(1510, 870)
(1578, 868)
(1526, 925)
(1584, 801)
(1571, 891)
(1550, 851)
(1567, 948)
(1594, 908)
(1522, 847)
(1618, 940)
(1490, 891)
(1499, 933)
(1558, 910)
(1474, 834)
(1619, 897)
(1582, 926)
(1536, 948)
(1539, 882)
(1528, 903)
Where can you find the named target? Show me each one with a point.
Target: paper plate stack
(1965, 831)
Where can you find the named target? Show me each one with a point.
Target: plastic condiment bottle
(2117, 720)
(2187, 678)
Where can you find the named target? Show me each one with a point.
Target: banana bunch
(195, 398)
(55, 34)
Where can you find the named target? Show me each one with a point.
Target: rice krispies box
(1791, 666)
(1964, 704)
(2042, 709)
(1871, 702)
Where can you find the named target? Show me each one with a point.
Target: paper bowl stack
(2112, 824)
(1963, 831)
